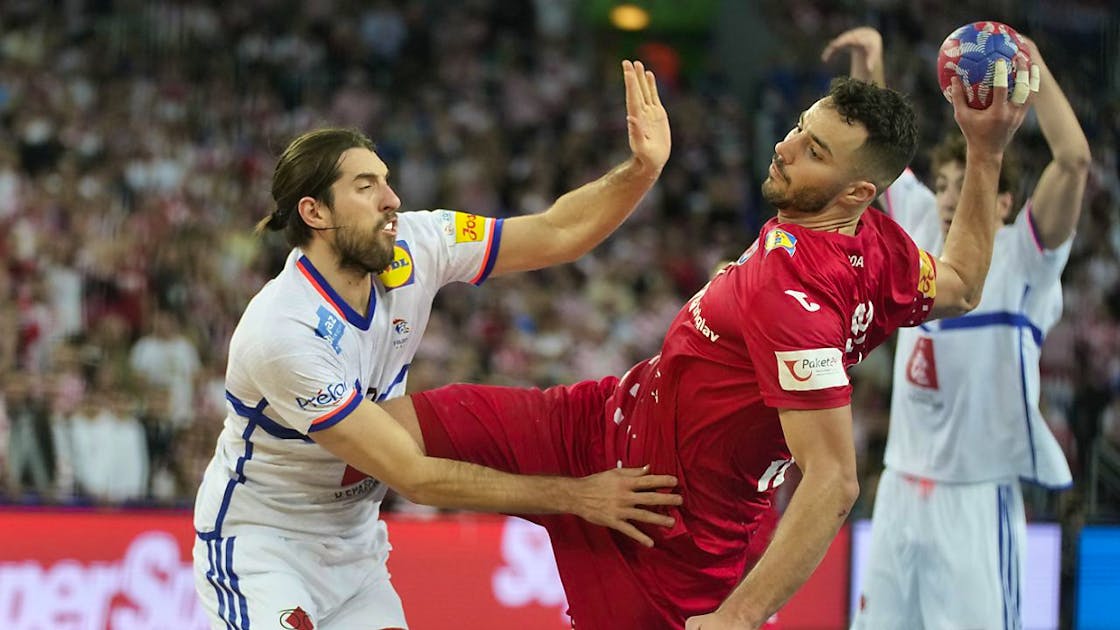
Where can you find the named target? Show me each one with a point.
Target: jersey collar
(320, 284)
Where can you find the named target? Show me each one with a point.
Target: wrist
(640, 170)
(742, 614)
(983, 157)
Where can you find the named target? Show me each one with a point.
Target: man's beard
(805, 201)
(366, 252)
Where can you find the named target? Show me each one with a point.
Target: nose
(391, 201)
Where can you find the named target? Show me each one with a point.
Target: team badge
(401, 271)
(781, 239)
(295, 619)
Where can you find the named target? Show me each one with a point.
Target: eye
(366, 187)
(813, 152)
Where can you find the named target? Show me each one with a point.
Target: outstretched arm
(1056, 202)
(968, 245)
(580, 219)
(865, 45)
(821, 443)
(372, 441)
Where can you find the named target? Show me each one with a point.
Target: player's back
(776, 329)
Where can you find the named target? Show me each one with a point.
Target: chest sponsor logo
(325, 398)
(401, 271)
(808, 370)
(921, 367)
(803, 300)
(927, 275)
(780, 239)
(698, 320)
(469, 228)
(330, 327)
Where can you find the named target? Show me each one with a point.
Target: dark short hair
(892, 129)
(307, 168)
(953, 148)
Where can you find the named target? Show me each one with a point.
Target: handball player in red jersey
(751, 378)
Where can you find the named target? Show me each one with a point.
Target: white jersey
(966, 389)
(301, 359)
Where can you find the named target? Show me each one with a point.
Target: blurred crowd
(137, 141)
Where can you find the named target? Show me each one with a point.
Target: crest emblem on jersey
(402, 330)
(469, 228)
(927, 275)
(330, 328)
(921, 368)
(776, 239)
(401, 271)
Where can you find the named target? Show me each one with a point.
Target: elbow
(416, 484)
(1076, 160)
(849, 492)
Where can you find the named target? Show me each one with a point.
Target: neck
(353, 285)
(831, 219)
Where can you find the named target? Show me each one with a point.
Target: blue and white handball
(971, 51)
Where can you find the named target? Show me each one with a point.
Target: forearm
(814, 516)
(1064, 136)
(583, 217)
(452, 484)
(859, 69)
(968, 245)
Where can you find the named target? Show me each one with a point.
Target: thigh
(376, 606)
(888, 598)
(974, 557)
(527, 431)
(240, 587)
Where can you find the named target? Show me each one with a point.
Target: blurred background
(137, 141)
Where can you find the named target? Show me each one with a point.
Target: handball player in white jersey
(948, 533)
(287, 514)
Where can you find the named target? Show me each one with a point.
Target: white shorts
(943, 556)
(266, 582)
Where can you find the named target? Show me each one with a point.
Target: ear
(314, 213)
(860, 193)
(1003, 201)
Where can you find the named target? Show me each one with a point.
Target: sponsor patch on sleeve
(469, 228)
(927, 275)
(808, 370)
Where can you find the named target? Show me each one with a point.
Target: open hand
(865, 45)
(646, 119)
(990, 130)
(611, 499)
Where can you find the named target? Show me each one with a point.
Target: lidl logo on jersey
(330, 328)
(781, 239)
(401, 271)
(325, 398)
(469, 228)
(808, 370)
(927, 275)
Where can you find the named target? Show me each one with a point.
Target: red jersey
(777, 329)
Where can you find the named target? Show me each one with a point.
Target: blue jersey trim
(268, 425)
(214, 579)
(492, 258)
(996, 318)
(396, 381)
(1023, 380)
(232, 483)
(348, 312)
(234, 582)
(342, 412)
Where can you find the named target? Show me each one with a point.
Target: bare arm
(580, 219)
(1056, 202)
(821, 443)
(373, 442)
(968, 245)
(865, 45)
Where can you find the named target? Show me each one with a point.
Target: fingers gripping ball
(971, 53)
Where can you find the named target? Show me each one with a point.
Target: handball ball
(971, 52)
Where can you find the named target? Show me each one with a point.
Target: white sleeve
(304, 382)
(450, 247)
(914, 207)
(1043, 266)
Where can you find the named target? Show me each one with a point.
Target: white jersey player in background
(948, 531)
(287, 515)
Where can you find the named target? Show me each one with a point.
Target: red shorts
(558, 431)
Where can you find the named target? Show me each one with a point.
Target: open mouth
(774, 172)
(390, 227)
